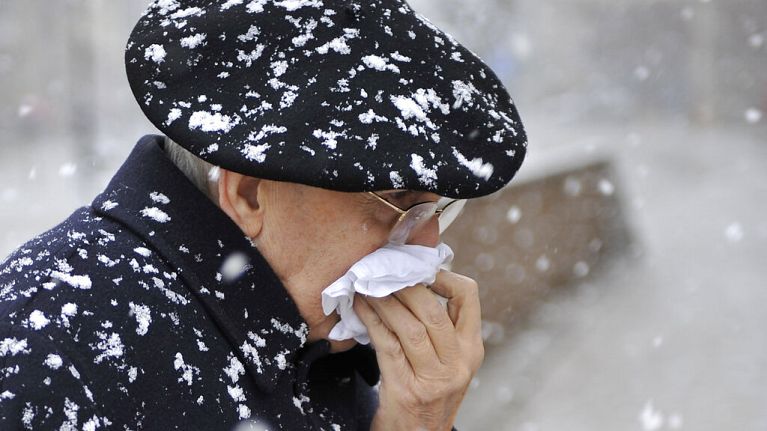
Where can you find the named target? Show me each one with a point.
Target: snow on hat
(351, 96)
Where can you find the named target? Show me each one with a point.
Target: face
(312, 236)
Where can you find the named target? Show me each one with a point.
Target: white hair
(202, 174)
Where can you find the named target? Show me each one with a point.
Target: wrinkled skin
(310, 237)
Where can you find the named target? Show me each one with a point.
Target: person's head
(310, 236)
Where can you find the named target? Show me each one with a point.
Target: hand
(427, 355)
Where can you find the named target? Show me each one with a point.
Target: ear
(238, 197)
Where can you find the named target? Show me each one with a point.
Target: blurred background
(624, 272)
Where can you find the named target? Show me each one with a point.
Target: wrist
(384, 422)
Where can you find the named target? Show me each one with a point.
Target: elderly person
(300, 138)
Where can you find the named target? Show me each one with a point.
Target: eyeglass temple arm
(389, 204)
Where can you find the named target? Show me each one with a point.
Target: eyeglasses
(414, 217)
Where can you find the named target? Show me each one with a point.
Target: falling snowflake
(753, 115)
(651, 419)
(734, 232)
(67, 169)
(514, 214)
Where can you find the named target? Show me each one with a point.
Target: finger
(462, 295)
(427, 309)
(412, 334)
(391, 357)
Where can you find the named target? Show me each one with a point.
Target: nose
(427, 234)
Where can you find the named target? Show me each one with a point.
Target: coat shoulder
(46, 284)
(85, 258)
(79, 307)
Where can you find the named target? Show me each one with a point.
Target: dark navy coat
(150, 309)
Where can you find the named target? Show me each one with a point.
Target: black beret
(351, 96)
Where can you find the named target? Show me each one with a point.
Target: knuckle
(416, 334)
(375, 319)
(391, 350)
(436, 316)
(432, 394)
(413, 398)
(472, 287)
(462, 378)
(460, 277)
(385, 300)
(466, 281)
(445, 387)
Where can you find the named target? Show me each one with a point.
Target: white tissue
(381, 273)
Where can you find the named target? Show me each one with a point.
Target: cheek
(376, 224)
(374, 232)
(358, 239)
(339, 233)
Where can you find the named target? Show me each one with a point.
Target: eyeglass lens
(411, 221)
(450, 213)
(419, 214)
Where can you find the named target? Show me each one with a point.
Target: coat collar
(253, 310)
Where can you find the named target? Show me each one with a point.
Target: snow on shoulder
(156, 214)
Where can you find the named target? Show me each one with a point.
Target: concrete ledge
(556, 226)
